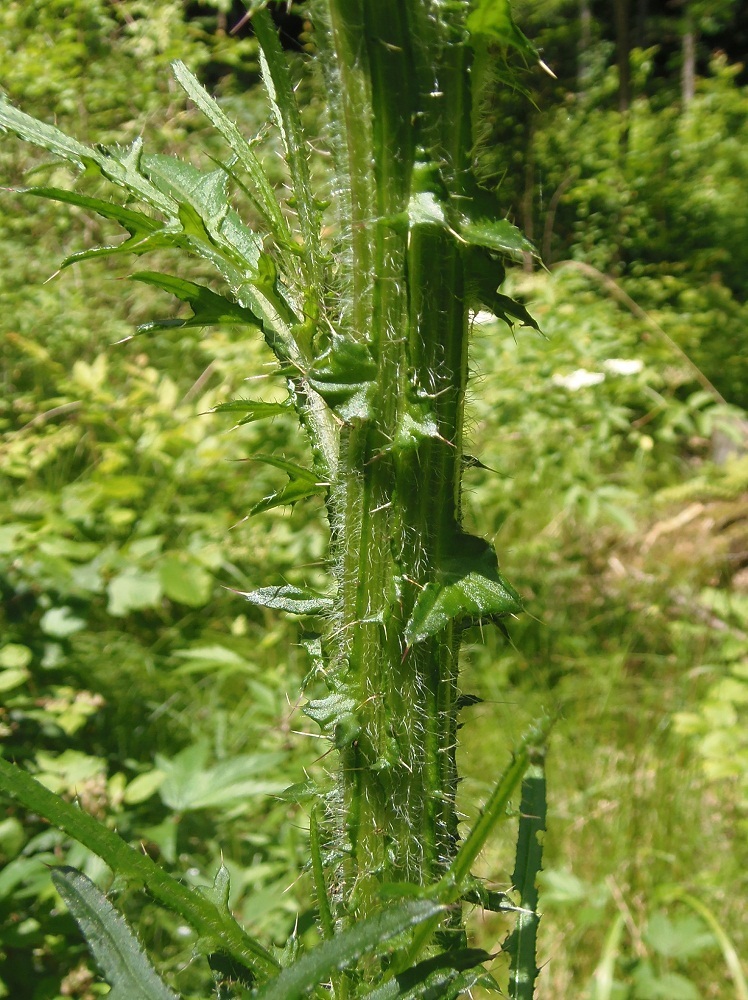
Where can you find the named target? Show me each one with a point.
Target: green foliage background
(134, 678)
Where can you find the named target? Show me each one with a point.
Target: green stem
(395, 505)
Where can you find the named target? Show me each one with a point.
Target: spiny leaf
(445, 976)
(468, 588)
(329, 711)
(137, 224)
(346, 948)
(208, 308)
(112, 943)
(291, 599)
(302, 483)
(344, 376)
(493, 19)
(286, 113)
(253, 409)
(521, 943)
(318, 874)
(121, 166)
(336, 714)
(494, 234)
(475, 225)
(262, 193)
(136, 868)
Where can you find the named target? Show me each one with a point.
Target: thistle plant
(369, 328)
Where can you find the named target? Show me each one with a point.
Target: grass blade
(729, 951)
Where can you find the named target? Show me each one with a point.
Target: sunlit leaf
(493, 19)
(468, 589)
(291, 599)
(133, 590)
(302, 483)
(253, 409)
(191, 784)
(208, 308)
(184, 580)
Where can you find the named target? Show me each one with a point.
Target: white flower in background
(623, 366)
(579, 379)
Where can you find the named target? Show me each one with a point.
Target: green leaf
(190, 784)
(11, 678)
(679, 938)
(121, 166)
(280, 90)
(302, 483)
(137, 224)
(468, 589)
(344, 376)
(494, 234)
(521, 943)
(253, 409)
(329, 711)
(484, 272)
(133, 590)
(61, 623)
(346, 948)
(14, 656)
(291, 599)
(262, 192)
(336, 714)
(112, 943)
(208, 308)
(445, 976)
(136, 868)
(493, 20)
(184, 580)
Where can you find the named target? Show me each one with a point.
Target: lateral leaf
(137, 224)
(286, 114)
(262, 192)
(208, 308)
(468, 589)
(302, 483)
(291, 599)
(121, 166)
(137, 868)
(494, 234)
(344, 376)
(114, 946)
(521, 943)
(341, 951)
(253, 409)
(446, 976)
(492, 19)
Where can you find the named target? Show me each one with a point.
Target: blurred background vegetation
(615, 487)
